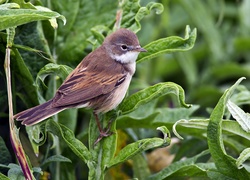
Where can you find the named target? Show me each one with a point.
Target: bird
(99, 82)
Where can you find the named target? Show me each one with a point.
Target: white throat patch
(128, 57)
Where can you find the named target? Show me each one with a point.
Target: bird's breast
(115, 97)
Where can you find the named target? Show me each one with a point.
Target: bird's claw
(104, 133)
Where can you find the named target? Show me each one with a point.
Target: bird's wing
(83, 85)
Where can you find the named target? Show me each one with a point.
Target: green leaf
(128, 121)
(165, 132)
(5, 157)
(67, 171)
(184, 168)
(137, 147)
(244, 155)
(98, 32)
(239, 115)
(169, 45)
(23, 4)
(56, 158)
(82, 19)
(148, 94)
(218, 175)
(242, 96)
(9, 6)
(197, 127)
(15, 172)
(33, 46)
(144, 117)
(50, 69)
(106, 11)
(15, 17)
(3, 177)
(68, 136)
(104, 150)
(133, 13)
(140, 167)
(34, 134)
(224, 163)
(23, 74)
(67, 117)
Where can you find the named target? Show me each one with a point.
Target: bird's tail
(38, 113)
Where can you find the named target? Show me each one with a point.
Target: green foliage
(13, 14)
(179, 168)
(202, 66)
(225, 164)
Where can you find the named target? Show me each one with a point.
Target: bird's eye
(124, 47)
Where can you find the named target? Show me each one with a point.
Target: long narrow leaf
(68, 136)
(239, 115)
(225, 163)
(199, 127)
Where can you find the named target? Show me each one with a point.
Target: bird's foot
(104, 133)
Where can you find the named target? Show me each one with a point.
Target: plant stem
(14, 137)
(57, 142)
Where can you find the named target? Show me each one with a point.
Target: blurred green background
(220, 56)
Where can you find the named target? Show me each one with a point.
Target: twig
(15, 141)
(118, 17)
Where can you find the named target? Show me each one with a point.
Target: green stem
(57, 142)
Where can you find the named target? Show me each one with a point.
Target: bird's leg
(103, 132)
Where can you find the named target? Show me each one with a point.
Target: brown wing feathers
(79, 87)
(37, 113)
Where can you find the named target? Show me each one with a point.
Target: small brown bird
(99, 82)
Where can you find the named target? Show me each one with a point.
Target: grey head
(123, 46)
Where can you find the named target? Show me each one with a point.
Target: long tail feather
(38, 113)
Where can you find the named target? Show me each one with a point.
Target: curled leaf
(174, 128)
(244, 155)
(169, 45)
(165, 132)
(146, 95)
(51, 69)
(133, 13)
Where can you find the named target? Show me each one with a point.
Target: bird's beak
(140, 49)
